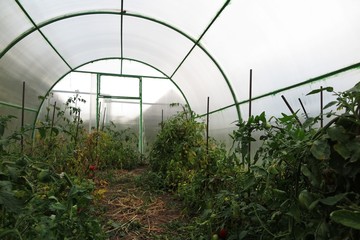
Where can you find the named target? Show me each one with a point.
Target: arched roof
(204, 47)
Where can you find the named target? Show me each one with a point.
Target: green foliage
(303, 182)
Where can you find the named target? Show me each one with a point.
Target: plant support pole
(291, 110)
(140, 119)
(250, 108)
(52, 120)
(22, 118)
(207, 125)
(321, 107)
(302, 106)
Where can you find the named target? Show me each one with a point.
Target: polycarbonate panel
(13, 22)
(15, 123)
(274, 105)
(77, 82)
(122, 112)
(284, 42)
(189, 16)
(199, 78)
(222, 124)
(119, 86)
(140, 69)
(160, 92)
(41, 10)
(85, 38)
(104, 66)
(32, 60)
(154, 44)
(154, 114)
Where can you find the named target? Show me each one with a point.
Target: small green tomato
(215, 237)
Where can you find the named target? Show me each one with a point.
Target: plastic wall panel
(41, 10)
(222, 124)
(15, 124)
(39, 67)
(136, 68)
(104, 66)
(181, 14)
(199, 78)
(154, 44)
(281, 45)
(160, 91)
(81, 82)
(83, 39)
(13, 23)
(153, 116)
(119, 86)
(274, 105)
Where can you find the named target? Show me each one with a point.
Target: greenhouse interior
(171, 119)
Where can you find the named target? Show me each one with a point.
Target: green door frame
(139, 98)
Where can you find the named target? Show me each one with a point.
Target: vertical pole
(52, 120)
(77, 129)
(97, 101)
(321, 107)
(141, 119)
(250, 108)
(207, 125)
(22, 118)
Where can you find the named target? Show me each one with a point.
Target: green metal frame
(11, 105)
(123, 13)
(196, 43)
(139, 98)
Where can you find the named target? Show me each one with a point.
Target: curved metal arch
(130, 15)
(110, 58)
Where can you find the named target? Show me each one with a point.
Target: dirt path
(134, 213)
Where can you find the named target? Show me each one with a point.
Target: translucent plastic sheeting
(222, 124)
(12, 23)
(155, 44)
(104, 66)
(122, 112)
(160, 92)
(15, 123)
(32, 60)
(188, 16)
(77, 82)
(41, 10)
(154, 115)
(284, 42)
(85, 38)
(274, 105)
(200, 78)
(119, 86)
(140, 69)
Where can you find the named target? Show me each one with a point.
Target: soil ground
(131, 212)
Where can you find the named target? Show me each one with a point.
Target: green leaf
(312, 178)
(320, 149)
(328, 89)
(338, 134)
(330, 104)
(42, 132)
(347, 218)
(331, 201)
(343, 150)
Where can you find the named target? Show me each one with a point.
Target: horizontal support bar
(17, 106)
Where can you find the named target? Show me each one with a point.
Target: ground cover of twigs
(131, 212)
